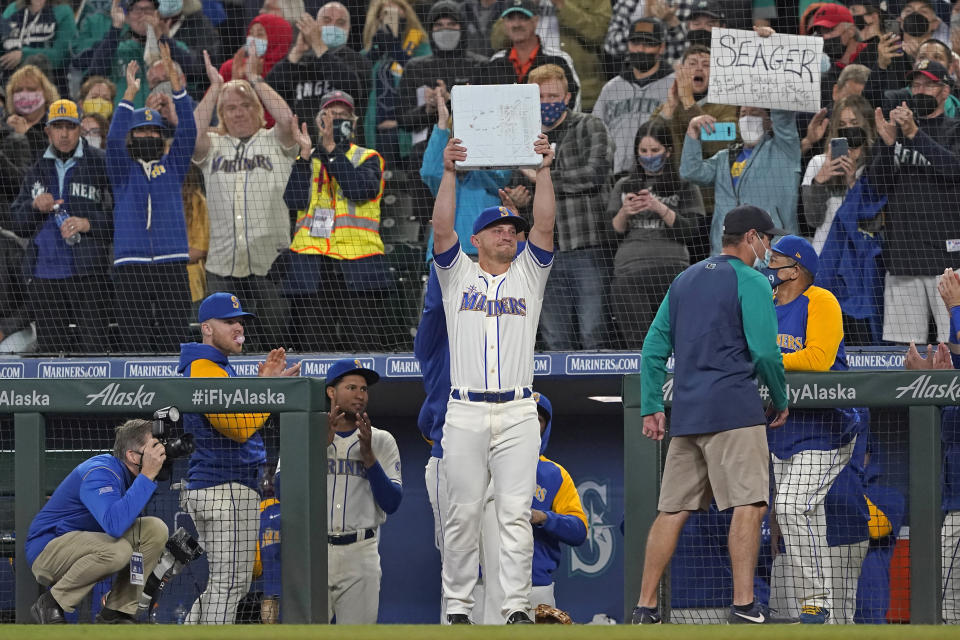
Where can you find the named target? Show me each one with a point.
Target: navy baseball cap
(543, 404)
(221, 306)
(146, 118)
(494, 215)
(800, 250)
(745, 217)
(348, 366)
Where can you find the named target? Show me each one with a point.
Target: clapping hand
(365, 438)
(213, 75)
(276, 365)
(939, 359)
(886, 129)
(301, 135)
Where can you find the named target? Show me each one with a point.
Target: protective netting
(331, 250)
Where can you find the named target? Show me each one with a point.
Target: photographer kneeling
(90, 529)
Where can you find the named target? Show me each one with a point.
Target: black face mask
(145, 149)
(834, 48)
(699, 36)
(915, 25)
(342, 130)
(922, 105)
(860, 22)
(856, 136)
(642, 61)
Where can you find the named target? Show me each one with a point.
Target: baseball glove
(551, 615)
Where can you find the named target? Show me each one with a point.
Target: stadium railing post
(29, 444)
(925, 515)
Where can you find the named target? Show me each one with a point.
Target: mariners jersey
(810, 336)
(492, 320)
(351, 501)
(249, 221)
(268, 546)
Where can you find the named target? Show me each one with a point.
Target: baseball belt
(497, 397)
(350, 538)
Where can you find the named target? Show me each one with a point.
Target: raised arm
(445, 204)
(204, 111)
(544, 200)
(272, 100)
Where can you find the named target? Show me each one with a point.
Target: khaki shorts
(732, 466)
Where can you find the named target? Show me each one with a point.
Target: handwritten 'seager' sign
(779, 72)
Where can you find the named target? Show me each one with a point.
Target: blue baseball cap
(800, 250)
(146, 118)
(221, 306)
(349, 366)
(543, 404)
(495, 215)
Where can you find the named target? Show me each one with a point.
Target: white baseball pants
(437, 494)
(846, 560)
(483, 441)
(950, 559)
(227, 517)
(803, 481)
(353, 581)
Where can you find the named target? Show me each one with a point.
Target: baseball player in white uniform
(363, 487)
(492, 310)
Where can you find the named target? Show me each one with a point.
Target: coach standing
(719, 321)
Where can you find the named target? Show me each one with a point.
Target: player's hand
(886, 129)
(777, 418)
(654, 425)
(949, 288)
(706, 121)
(365, 438)
(152, 459)
(452, 153)
(333, 418)
(276, 365)
(537, 517)
(544, 148)
(941, 357)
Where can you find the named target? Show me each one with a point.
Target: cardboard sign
(779, 72)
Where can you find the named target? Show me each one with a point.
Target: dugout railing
(300, 404)
(922, 393)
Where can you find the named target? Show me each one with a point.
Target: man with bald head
(321, 62)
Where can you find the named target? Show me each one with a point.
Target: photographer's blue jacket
(86, 194)
(99, 495)
(229, 447)
(148, 219)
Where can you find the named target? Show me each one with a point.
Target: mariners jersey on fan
(432, 350)
(99, 495)
(556, 495)
(492, 320)
(810, 336)
(352, 489)
(228, 445)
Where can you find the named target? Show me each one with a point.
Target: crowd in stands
(155, 151)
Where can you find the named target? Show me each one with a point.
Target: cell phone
(722, 132)
(839, 147)
(892, 25)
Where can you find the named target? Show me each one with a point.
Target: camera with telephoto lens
(164, 420)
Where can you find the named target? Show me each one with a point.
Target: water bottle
(180, 613)
(61, 216)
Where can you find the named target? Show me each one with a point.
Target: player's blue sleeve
(101, 491)
(432, 330)
(955, 337)
(543, 257)
(446, 259)
(386, 492)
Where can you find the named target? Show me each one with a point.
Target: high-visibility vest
(356, 227)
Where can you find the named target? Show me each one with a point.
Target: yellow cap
(63, 110)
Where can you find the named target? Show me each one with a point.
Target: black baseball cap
(709, 8)
(930, 69)
(528, 8)
(647, 31)
(741, 219)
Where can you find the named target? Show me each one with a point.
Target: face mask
(825, 63)
(259, 43)
(342, 130)
(164, 87)
(856, 136)
(922, 105)
(145, 149)
(446, 39)
(860, 22)
(760, 263)
(26, 102)
(550, 112)
(652, 164)
(642, 61)
(98, 105)
(699, 36)
(774, 279)
(333, 36)
(916, 25)
(751, 129)
(94, 141)
(834, 48)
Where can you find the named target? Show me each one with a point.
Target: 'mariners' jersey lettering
(473, 300)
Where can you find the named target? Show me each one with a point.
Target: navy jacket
(86, 194)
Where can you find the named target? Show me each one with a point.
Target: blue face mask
(760, 263)
(550, 112)
(333, 36)
(259, 43)
(771, 274)
(653, 164)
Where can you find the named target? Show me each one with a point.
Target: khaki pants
(72, 563)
